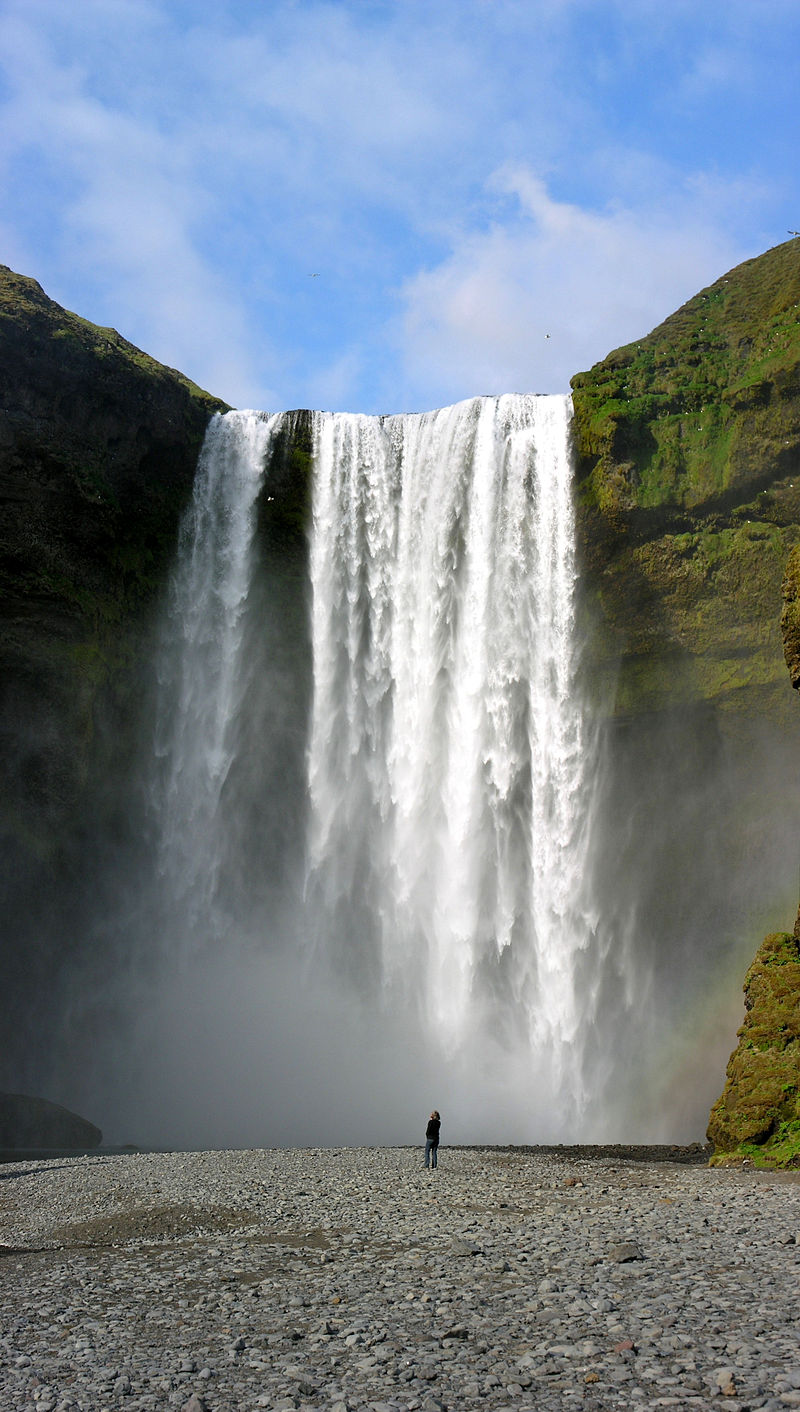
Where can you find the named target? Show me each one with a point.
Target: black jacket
(432, 1130)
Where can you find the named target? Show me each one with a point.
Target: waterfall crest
(449, 757)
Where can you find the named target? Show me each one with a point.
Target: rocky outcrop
(36, 1123)
(758, 1113)
(688, 446)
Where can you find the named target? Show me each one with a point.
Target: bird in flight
(313, 276)
(793, 232)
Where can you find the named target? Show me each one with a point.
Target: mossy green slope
(758, 1115)
(688, 446)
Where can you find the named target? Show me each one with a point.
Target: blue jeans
(431, 1149)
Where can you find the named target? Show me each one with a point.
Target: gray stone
(412, 1326)
(625, 1252)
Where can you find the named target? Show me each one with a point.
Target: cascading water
(449, 759)
(445, 912)
(203, 670)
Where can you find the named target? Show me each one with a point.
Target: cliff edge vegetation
(688, 449)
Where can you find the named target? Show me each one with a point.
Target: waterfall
(447, 760)
(378, 868)
(449, 757)
(203, 669)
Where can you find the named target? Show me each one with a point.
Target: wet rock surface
(355, 1279)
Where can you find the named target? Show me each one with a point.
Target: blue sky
(389, 206)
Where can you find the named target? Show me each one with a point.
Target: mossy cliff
(98, 446)
(688, 446)
(757, 1117)
(688, 500)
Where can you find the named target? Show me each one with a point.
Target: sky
(387, 207)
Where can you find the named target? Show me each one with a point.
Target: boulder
(36, 1123)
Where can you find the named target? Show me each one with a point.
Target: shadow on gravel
(693, 1154)
(27, 1172)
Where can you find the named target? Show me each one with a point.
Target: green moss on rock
(760, 1104)
(688, 456)
(706, 406)
(790, 617)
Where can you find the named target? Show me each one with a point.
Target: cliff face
(688, 448)
(688, 445)
(98, 445)
(689, 510)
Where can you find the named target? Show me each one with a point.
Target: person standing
(432, 1139)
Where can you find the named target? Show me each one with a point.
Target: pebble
(354, 1279)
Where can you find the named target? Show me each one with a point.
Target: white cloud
(129, 209)
(526, 304)
(178, 168)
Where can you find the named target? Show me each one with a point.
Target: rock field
(353, 1278)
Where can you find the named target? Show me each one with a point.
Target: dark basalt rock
(98, 446)
(36, 1123)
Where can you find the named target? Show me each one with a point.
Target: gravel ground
(353, 1278)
